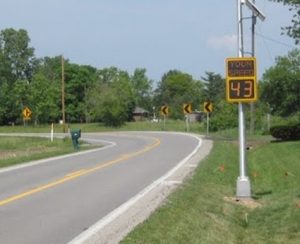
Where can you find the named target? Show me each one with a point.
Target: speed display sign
(241, 80)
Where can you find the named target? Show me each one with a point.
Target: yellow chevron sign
(164, 110)
(26, 113)
(187, 108)
(208, 107)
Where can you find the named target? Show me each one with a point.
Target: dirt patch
(7, 154)
(245, 202)
(25, 152)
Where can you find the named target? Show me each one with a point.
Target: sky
(193, 36)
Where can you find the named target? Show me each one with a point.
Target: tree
(142, 88)
(177, 88)
(224, 116)
(110, 99)
(281, 85)
(44, 94)
(17, 64)
(293, 30)
(77, 80)
(16, 57)
(214, 89)
(45, 90)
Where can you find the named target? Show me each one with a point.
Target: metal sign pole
(243, 182)
(187, 126)
(207, 123)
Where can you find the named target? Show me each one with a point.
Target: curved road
(54, 200)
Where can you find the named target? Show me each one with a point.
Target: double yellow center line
(82, 172)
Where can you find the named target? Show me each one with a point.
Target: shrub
(286, 132)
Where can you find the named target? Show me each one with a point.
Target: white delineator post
(52, 132)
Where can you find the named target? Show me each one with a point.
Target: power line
(273, 40)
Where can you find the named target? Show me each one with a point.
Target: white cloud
(228, 42)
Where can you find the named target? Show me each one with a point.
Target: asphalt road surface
(55, 200)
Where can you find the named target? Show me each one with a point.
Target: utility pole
(63, 93)
(243, 188)
(252, 106)
(243, 182)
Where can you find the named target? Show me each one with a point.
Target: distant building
(140, 114)
(196, 116)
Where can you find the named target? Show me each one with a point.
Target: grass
(170, 125)
(200, 212)
(16, 150)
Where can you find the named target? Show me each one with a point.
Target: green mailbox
(75, 135)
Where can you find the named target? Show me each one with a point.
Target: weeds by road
(16, 150)
(205, 210)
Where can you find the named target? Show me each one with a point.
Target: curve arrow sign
(208, 107)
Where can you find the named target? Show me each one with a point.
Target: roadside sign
(241, 80)
(187, 108)
(208, 107)
(164, 110)
(26, 113)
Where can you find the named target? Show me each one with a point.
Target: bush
(286, 132)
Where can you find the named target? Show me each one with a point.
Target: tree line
(110, 95)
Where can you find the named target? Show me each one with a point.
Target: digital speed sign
(241, 80)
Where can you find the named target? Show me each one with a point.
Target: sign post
(208, 107)
(187, 109)
(164, 110)
(241, 87)
(26, 115)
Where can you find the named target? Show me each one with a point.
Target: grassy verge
(203, 210)
(16, 150)
(170, 125)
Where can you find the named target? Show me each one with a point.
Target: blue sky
(193, 36)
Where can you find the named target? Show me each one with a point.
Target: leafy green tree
(111, 99)
(16, 57)
(44, 95)
(45, 90)
(142, 88)
(77, 79)
(19, 98)
(177, 88)
(224, 116)
(281, 85)
(214, 87)
(293, 30)
(17, 64)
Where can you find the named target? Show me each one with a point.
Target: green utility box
(75, 135)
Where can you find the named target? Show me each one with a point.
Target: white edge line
(37, 162)
(84, 236)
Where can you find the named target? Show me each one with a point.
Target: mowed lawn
(204, 209)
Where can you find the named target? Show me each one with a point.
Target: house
(140, 114)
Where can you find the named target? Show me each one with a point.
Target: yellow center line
(75, 173)
(78, 173)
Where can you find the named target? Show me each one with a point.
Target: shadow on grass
(258, 195)
(283, 140)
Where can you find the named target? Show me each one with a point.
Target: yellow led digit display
(241, 80)
(241, 90)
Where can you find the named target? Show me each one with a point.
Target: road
(54, 200)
